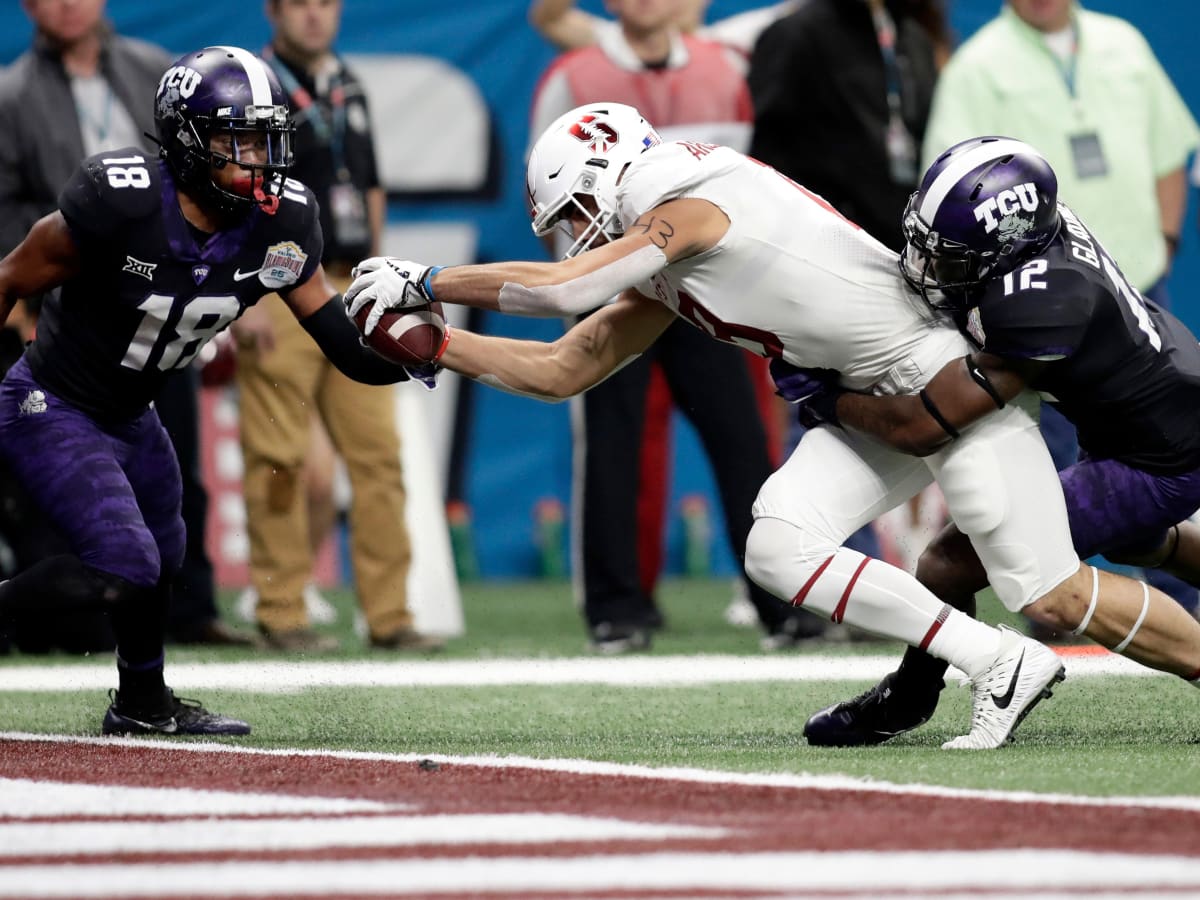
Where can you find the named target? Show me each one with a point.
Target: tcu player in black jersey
(154, 257)
(1050, 311)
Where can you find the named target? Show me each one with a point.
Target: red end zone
(95, 819)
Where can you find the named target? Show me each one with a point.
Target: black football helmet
(230, 91)
(984, 207)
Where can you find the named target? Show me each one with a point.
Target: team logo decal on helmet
(599, 136)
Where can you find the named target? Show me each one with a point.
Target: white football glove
(388, 283)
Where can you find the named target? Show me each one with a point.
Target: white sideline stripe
(291, 677)
(22, 798)
(1017, 872)
(270, 834)
(589, 767)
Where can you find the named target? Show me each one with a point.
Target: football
(406, 336)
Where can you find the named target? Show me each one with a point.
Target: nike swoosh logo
(1005, 699)
(150, 726)
(239, 275)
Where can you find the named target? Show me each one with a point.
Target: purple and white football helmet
(984, 207)
(225, 90)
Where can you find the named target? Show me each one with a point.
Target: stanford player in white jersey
(733, 247)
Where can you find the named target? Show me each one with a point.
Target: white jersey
(791, 277)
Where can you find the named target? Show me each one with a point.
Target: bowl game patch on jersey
(282, 265)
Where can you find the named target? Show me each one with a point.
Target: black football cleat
(179, 716)
(874, 716)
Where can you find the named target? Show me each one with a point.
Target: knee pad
(780, 556)
(128, 550)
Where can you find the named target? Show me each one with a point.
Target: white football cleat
(1004, 693)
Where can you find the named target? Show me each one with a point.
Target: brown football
(406, 336)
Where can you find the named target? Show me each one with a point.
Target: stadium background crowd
(451, 88)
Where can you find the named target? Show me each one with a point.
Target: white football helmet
(583, 154)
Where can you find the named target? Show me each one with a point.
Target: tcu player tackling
(707, 234)
(154, 257)
(1046, 308)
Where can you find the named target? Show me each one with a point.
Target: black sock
(141, 685)
(138, 619)
(920, 671)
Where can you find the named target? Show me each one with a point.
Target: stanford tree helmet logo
(599, 136)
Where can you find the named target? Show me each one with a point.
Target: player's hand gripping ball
(410, 336)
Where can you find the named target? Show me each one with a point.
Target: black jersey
(152, 290)
(1123, 370)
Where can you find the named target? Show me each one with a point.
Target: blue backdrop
(520, 450)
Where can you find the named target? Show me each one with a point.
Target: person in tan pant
(284, 379)
(280, 388)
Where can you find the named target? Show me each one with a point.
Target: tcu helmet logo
(181, 78)
(1004, 211)
(599, 136)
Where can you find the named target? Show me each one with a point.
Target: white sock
(965, 642)
(866, 593)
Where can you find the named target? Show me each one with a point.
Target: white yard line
(626, 671)
(1006, 873)
(309, 832)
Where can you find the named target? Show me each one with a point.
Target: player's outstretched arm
(670, 232)
(319, 308)
(587, 354)
(45, 259)
(961, 393)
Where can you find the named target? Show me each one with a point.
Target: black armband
(937, 415)
(342, 344)
(980, 378)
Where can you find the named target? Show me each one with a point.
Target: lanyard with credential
(901, 148)
(331, 133)
(1066, 64)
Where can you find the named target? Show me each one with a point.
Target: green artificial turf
(1105, 736)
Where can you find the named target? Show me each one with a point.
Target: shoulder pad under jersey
(667, 171)
(1041, 310)
(110, 189)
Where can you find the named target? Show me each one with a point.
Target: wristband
(444, 345)
(427, 282)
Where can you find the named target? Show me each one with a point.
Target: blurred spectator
(283, 378)
(860, 75)
(80, 84)
(1088, 92)
(570, 28)
(91, 90)
(690, 89)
